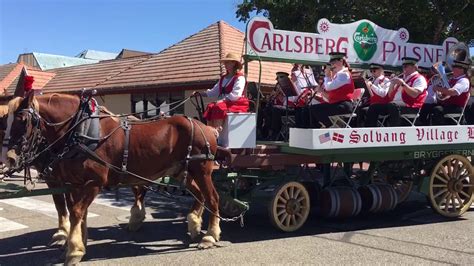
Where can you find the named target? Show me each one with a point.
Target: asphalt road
(411, 234)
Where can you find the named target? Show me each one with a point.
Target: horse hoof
(58, 239)
(194, 235)
(207, 242)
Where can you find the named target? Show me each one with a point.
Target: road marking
(38, 206)
(7, 225)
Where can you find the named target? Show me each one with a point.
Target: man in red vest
(453, 99)
(377, 85)
(406, 96)
(338, 88)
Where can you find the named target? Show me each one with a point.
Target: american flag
(323, 138)
(338, 137)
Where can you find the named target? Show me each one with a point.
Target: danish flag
(338, 137)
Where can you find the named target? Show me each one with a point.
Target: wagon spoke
(441, 178)
(461, 202)
(286, 195)
(468, 185)
(449, 164)
(465, 194)
(300, 199)
(299, 215)
(282, 199)
(293, 219)
(445, 199)
(446, 203)
(295, 196)
(463, 177)
(282, 211)
(283, 218)
(287, 220)
(455, 167)
(443, 170)
(440, 192)
(461, 171)
(439, 185)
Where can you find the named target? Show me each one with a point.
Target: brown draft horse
(156, 149)
(60, 236)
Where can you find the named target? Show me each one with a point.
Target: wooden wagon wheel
(289, 207)
(452, 186)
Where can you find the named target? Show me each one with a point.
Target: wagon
(315, 170)
(290, 182)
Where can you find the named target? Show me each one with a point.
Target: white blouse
(234, 95)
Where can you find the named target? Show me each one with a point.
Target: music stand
(288, 89)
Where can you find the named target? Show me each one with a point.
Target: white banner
(338, 138)
(363, 41)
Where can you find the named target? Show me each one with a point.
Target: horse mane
(14, 104)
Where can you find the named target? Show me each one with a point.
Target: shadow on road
(166, 232)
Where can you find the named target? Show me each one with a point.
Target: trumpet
(399, 76)
(393, 89)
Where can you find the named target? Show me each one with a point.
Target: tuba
(458, 52)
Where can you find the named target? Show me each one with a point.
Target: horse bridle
(29, 143)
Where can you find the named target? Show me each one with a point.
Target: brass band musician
(452, 99)
(338, 89)
(406, 96)
(305, 83)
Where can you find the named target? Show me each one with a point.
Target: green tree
(428, 21)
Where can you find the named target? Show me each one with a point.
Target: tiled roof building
(10, 75)
(185, 65)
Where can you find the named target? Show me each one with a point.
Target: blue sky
(67, 27)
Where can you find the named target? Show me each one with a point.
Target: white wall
(116, 103)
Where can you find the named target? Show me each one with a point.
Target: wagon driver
(230, 93)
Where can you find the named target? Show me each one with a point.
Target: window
(151, 104)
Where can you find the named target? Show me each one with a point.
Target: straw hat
(232, 57)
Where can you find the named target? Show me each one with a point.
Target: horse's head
(25, 120)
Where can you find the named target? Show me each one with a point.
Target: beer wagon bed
(290, 181)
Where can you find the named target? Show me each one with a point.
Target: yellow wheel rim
(290, 207)
(452, 186)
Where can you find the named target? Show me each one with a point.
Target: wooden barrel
(340, 202)
(378, 197)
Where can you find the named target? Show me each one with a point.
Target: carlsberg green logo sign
(365, 41)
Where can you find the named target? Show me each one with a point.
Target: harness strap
(126, 127)
(188, 156)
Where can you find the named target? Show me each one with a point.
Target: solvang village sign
(337, 138)
(363, 41)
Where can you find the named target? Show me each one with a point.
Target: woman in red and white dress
(230, 91)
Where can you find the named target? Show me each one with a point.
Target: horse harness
(83, 137)
(76, 139)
